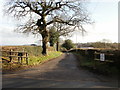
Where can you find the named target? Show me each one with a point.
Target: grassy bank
(31, 50)
(35, 57)
(98, 67)
(40, 59)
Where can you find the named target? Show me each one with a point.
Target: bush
(68, 44)
(86, 59)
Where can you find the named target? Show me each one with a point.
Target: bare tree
(63, 30)
(46, 13)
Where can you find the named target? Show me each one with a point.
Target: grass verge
(103, 68)
(33, 60)
(40, 59)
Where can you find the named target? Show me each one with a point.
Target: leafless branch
(69, 13)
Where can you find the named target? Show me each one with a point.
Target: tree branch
(57, 7)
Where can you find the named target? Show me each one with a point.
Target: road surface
(58, 73)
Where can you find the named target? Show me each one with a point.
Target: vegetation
(35, 57)
(53, 36)
(86, 60)
(37, 60)
(43, 13)
(105, 45)
(62, 30)
(56, 31)
(68, 44)
(100, 45)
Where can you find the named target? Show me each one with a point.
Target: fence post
(94, 60)
(20, 58)
(10, 53)
(27, 58)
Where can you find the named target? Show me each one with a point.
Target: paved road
(58, 73)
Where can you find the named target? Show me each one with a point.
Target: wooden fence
(106, 57)
(103, 57)
(14, 56)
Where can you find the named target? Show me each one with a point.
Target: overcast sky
(104, 13)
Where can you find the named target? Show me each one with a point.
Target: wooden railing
(101, 56)
(12, 56)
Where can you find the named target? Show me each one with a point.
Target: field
(34, 56)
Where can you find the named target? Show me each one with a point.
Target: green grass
(97, 67)
(32, 61)
(34, 54)
(39, 59)
(33, 50)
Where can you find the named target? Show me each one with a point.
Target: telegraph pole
(76, 42)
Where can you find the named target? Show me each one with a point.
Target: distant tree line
(100, 45)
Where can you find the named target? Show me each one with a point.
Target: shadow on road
(58, 73)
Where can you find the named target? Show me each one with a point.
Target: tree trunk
(44, 33)
(45, 37)
(57, 46)
(44, 47)
(51, 44)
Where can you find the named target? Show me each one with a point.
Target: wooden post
(94, 60)
(18, 58)
(26, 58)
(21, 59)
(10, 53)
(20, 54)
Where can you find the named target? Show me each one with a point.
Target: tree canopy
(53, 36)
(68, 44)
(43, 13)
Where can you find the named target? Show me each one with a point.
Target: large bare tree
(66, 30)
(46, 12)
